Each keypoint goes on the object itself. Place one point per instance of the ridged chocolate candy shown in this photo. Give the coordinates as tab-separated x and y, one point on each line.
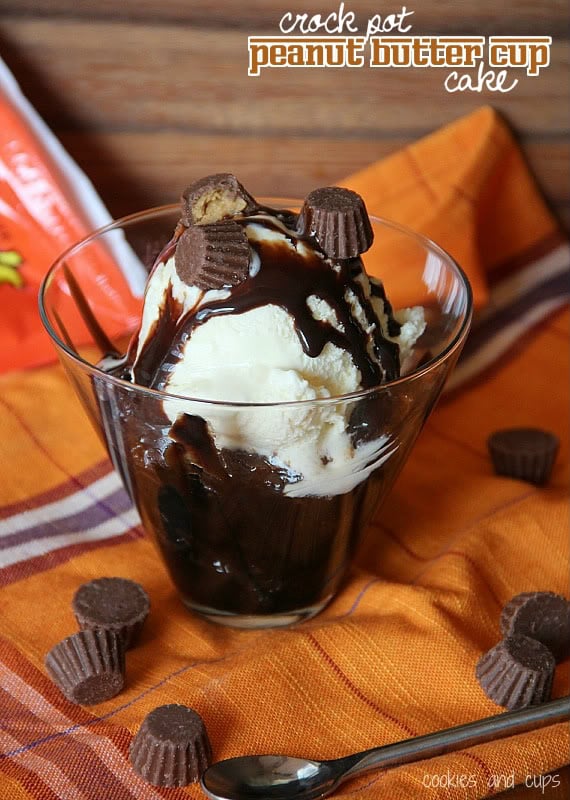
115	604
338	220
88	666
544	616
524	453
214	198
517	672
213	256
171	747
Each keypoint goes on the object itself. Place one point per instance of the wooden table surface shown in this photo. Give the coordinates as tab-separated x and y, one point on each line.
148	95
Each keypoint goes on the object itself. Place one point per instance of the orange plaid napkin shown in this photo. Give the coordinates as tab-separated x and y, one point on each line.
394	654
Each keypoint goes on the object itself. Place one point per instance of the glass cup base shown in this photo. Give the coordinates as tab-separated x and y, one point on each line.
257	621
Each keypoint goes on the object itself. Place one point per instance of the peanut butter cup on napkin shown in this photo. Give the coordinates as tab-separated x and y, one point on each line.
544	616
171	747
114	604
527	454
517	672
88	666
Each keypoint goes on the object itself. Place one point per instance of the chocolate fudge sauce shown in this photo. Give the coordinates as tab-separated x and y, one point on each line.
286	279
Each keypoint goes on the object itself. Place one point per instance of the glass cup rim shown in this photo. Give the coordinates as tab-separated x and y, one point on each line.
161	395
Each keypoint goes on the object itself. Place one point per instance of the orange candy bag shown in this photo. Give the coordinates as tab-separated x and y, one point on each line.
47	204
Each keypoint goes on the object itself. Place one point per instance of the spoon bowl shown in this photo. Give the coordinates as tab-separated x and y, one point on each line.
271	778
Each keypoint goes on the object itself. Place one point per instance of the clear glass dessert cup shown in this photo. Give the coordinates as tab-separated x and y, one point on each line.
248	541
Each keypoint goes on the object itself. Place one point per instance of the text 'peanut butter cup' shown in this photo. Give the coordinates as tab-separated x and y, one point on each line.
338	220
527	454
517	672
88	666
214	198
543	616
171	747
213	256
114	604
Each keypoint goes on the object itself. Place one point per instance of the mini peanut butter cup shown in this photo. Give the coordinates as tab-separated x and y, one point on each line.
171	747
517	672
114	604
88	666
213	256
338	220
214	198
524	453
543	616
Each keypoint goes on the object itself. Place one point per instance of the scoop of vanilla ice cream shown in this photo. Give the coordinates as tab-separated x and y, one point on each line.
256	357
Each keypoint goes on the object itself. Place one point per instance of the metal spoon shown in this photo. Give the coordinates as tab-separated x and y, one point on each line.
285	777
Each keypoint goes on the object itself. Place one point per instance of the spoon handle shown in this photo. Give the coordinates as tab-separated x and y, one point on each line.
434	744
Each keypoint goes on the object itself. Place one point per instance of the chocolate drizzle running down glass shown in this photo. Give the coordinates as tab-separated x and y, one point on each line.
263	408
